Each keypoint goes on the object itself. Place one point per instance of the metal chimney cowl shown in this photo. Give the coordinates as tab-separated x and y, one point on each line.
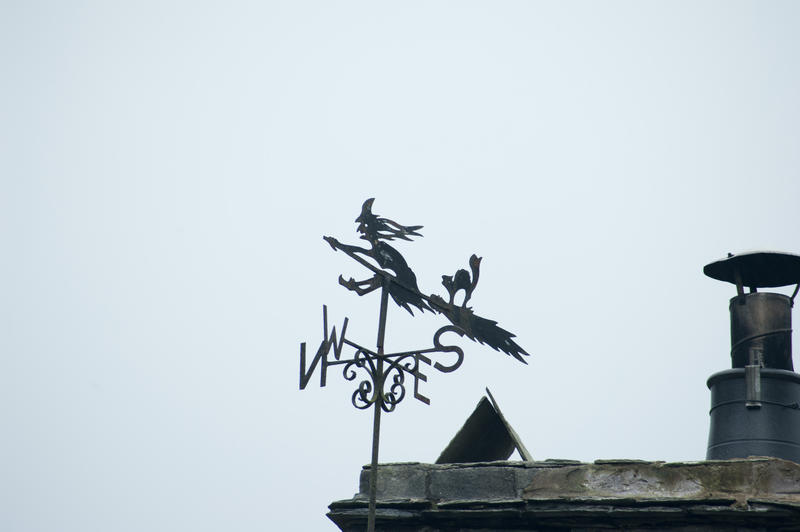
755	406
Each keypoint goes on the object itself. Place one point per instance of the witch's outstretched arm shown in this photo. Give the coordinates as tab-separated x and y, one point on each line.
351	252
335	244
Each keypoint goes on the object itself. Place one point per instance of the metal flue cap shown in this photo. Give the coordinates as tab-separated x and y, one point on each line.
757	269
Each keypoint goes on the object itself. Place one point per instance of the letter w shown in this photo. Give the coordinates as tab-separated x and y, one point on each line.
322	352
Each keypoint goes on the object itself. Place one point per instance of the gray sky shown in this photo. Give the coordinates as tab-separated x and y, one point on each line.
168	170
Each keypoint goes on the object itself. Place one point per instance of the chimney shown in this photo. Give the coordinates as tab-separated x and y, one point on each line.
755	406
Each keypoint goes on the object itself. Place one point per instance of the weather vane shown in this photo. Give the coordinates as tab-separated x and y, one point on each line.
384	385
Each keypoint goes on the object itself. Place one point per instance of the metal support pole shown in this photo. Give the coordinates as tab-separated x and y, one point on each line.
378	406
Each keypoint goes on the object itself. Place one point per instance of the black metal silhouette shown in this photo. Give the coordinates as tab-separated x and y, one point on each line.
409	362
480	329
403	283
475	327
461	281
385	382
375	230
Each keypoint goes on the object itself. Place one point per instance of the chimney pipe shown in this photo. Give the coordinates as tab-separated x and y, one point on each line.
755	406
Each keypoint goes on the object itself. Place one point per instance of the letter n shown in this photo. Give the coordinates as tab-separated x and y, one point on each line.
305	375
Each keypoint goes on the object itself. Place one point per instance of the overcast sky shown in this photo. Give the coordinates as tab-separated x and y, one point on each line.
169	169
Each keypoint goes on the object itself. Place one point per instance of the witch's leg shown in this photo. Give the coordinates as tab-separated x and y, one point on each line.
361	287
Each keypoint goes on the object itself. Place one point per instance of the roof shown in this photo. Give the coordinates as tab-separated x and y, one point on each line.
753	493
